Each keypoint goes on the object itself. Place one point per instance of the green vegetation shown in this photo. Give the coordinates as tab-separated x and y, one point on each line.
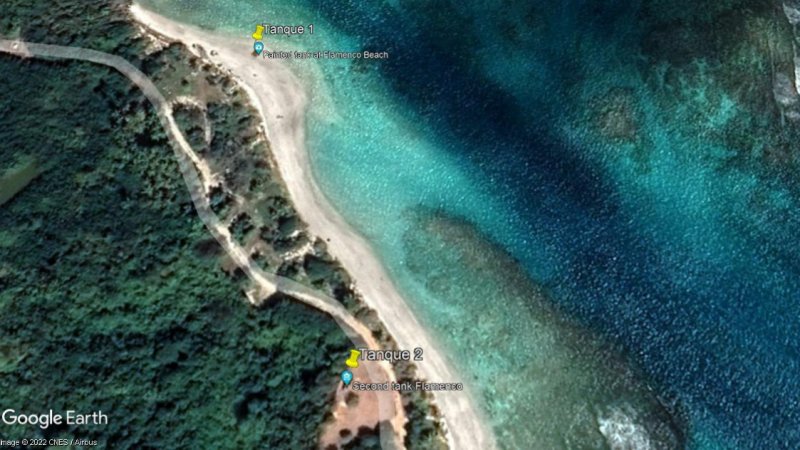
99	25
365	440
190	119
112	296
264	221
422	433
110	288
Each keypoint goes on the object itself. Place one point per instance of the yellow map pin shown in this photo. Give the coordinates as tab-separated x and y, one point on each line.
352	361
259	32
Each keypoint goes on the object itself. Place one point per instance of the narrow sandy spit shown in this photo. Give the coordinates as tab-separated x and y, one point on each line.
281	99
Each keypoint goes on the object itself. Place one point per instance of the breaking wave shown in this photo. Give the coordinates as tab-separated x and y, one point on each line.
622	432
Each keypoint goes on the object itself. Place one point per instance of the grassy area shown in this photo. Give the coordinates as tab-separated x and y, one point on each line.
16	178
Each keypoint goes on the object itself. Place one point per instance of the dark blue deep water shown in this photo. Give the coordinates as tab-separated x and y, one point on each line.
689	258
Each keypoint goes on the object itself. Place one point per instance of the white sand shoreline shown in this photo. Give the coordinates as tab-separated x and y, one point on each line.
282	100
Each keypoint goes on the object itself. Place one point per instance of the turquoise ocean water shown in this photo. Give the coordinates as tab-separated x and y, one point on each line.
560	191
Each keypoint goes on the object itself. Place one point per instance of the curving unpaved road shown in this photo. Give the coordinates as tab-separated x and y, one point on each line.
281	99
391	408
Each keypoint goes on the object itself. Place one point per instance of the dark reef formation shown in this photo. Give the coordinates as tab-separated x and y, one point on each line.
585	388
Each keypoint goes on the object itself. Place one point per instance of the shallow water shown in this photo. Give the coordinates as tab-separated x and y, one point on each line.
606	164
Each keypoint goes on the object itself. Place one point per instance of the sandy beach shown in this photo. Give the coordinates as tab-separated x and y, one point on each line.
281	99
